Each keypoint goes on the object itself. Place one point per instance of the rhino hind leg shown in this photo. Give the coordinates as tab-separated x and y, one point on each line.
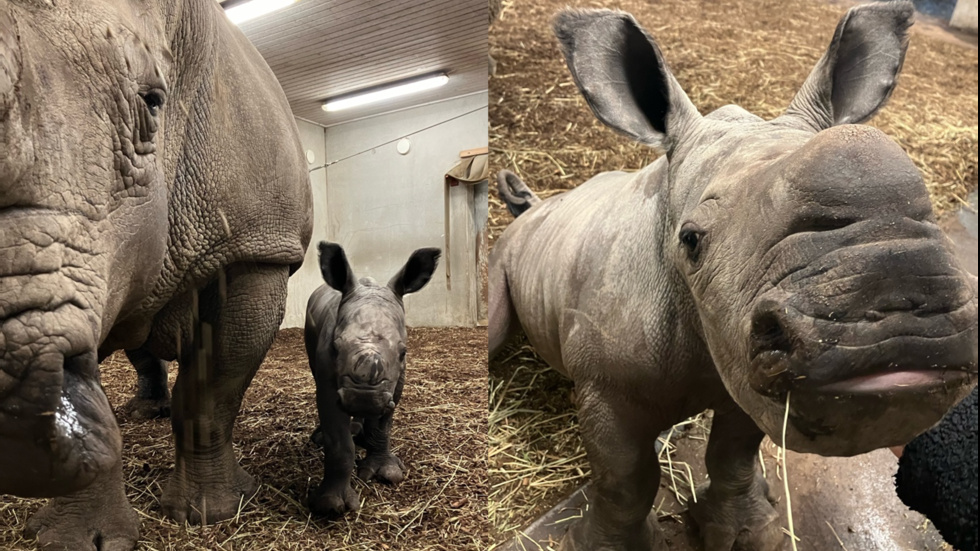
619	436
98	518
503	319
152	399
733	512
236	328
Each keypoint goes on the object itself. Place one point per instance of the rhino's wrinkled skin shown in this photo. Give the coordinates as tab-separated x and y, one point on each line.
153	197
757	263
355	340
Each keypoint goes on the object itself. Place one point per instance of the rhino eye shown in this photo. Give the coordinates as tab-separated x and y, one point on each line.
691	237
154	100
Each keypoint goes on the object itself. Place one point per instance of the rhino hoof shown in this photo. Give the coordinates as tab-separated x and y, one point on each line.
316	437
333	502
387	469
188	498
145	408
585	536
746	521
99	527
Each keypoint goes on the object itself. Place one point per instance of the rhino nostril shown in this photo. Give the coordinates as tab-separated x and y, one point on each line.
769	335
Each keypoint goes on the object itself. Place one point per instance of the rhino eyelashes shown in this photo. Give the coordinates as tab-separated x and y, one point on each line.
692	237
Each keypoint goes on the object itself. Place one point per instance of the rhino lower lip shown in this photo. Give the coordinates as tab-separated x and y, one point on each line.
899	381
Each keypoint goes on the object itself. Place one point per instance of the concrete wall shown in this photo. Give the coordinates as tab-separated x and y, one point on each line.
965	15
308	278
381	205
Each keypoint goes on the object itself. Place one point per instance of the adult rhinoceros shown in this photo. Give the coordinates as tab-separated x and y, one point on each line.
154	196
788	274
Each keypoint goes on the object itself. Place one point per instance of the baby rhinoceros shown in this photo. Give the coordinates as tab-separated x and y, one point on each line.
355	339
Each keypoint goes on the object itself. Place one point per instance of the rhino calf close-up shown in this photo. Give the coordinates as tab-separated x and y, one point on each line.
164	167
788	274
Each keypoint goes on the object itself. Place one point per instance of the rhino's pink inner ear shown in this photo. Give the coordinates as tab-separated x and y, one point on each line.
334	267
622	74
859	71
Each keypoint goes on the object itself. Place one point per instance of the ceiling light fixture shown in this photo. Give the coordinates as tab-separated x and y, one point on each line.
387	92
245	11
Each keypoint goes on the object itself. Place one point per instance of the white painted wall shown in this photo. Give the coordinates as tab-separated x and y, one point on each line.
965	15
308	278
380	206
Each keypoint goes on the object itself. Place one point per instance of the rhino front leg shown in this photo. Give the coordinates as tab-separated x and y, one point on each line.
98	518
379	463
334	496
152	400
733	511
238	322
620	436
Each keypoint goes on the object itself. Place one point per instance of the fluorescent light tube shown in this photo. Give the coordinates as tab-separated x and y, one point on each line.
381	94
246	11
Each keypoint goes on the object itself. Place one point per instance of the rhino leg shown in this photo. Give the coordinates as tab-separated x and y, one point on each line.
733	511
375	437
379	463
503	320
98	518
152	400
334	496
620	436
237	324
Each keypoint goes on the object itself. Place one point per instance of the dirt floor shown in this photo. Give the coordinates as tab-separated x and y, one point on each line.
751	53
440	432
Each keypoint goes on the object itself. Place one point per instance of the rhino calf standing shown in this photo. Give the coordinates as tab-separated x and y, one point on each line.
783	271
355	340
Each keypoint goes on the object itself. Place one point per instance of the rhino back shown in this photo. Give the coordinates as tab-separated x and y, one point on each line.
595	256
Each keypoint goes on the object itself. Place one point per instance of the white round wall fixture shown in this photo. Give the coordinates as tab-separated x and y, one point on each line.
403	146
310	156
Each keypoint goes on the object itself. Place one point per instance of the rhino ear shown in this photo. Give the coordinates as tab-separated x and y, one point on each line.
335	268
623	76
858	73
416	273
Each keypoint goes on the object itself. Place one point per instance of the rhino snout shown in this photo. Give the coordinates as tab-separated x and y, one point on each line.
368	371
57	429
365	402
881	349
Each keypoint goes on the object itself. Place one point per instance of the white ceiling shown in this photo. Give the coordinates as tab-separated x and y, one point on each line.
324	48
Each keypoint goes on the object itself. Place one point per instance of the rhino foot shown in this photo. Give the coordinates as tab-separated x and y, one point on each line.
582	536
743	521
146	408
316	437
385	468
98	518
332	501
188	499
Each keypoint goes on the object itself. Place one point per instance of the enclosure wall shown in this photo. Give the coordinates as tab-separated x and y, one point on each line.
382	205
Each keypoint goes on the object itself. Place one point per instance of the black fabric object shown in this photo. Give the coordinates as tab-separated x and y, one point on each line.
937	475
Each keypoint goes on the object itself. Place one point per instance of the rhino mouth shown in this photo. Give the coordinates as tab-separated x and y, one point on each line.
57	430
365	400
866	358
